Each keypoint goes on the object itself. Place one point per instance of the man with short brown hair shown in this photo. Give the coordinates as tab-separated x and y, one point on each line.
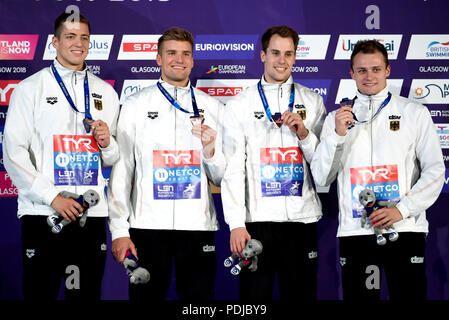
161	206
59	133
387	144
267	191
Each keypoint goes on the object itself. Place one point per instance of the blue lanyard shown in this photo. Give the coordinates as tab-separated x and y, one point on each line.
377	112
176	104
265	102
87	114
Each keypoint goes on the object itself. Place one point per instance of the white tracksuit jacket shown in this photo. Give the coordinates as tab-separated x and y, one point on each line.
250	187
151	185
397	155
45	143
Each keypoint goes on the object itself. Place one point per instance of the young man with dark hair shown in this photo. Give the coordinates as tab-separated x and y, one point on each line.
59	133
160	200
388	144
270	135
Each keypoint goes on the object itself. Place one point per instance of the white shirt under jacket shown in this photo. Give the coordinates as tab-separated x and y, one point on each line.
149	125
247	131
398	154
32	125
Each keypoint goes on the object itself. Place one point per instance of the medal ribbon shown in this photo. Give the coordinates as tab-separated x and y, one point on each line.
386	101
265	102
87	114
176	104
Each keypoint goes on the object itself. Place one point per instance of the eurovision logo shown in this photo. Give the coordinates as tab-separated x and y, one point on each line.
176	174
18	46
6	88
215	46
76	160
346	44
282	172
428	47
382	180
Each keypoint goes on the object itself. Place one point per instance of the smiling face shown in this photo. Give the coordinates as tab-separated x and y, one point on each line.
370	72
72	45
278	59
176	62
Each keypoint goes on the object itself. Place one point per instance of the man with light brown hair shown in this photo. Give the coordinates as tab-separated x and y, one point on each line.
161	206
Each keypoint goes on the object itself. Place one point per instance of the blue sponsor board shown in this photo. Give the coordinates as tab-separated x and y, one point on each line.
446	182
320	86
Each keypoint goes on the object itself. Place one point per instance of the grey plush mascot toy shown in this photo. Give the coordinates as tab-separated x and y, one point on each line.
252	249
368	199
89	199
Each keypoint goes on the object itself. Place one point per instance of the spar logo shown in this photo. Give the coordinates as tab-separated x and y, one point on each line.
18	46
312	47
6	88
209	47
431	91
382	180
282	171
443	133
99	47
428	47
224	89
7	189
176	174
346	43
76	160
138	47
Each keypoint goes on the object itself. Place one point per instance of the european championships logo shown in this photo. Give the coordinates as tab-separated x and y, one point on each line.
212	70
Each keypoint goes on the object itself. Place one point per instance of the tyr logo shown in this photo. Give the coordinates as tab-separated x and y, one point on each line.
83	141
370	175
186	157
293	154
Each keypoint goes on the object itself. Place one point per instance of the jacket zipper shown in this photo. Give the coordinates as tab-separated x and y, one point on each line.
280	94
371	130
75	123
174	200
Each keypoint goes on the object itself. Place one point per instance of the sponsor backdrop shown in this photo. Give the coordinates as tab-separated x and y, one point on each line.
123	49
